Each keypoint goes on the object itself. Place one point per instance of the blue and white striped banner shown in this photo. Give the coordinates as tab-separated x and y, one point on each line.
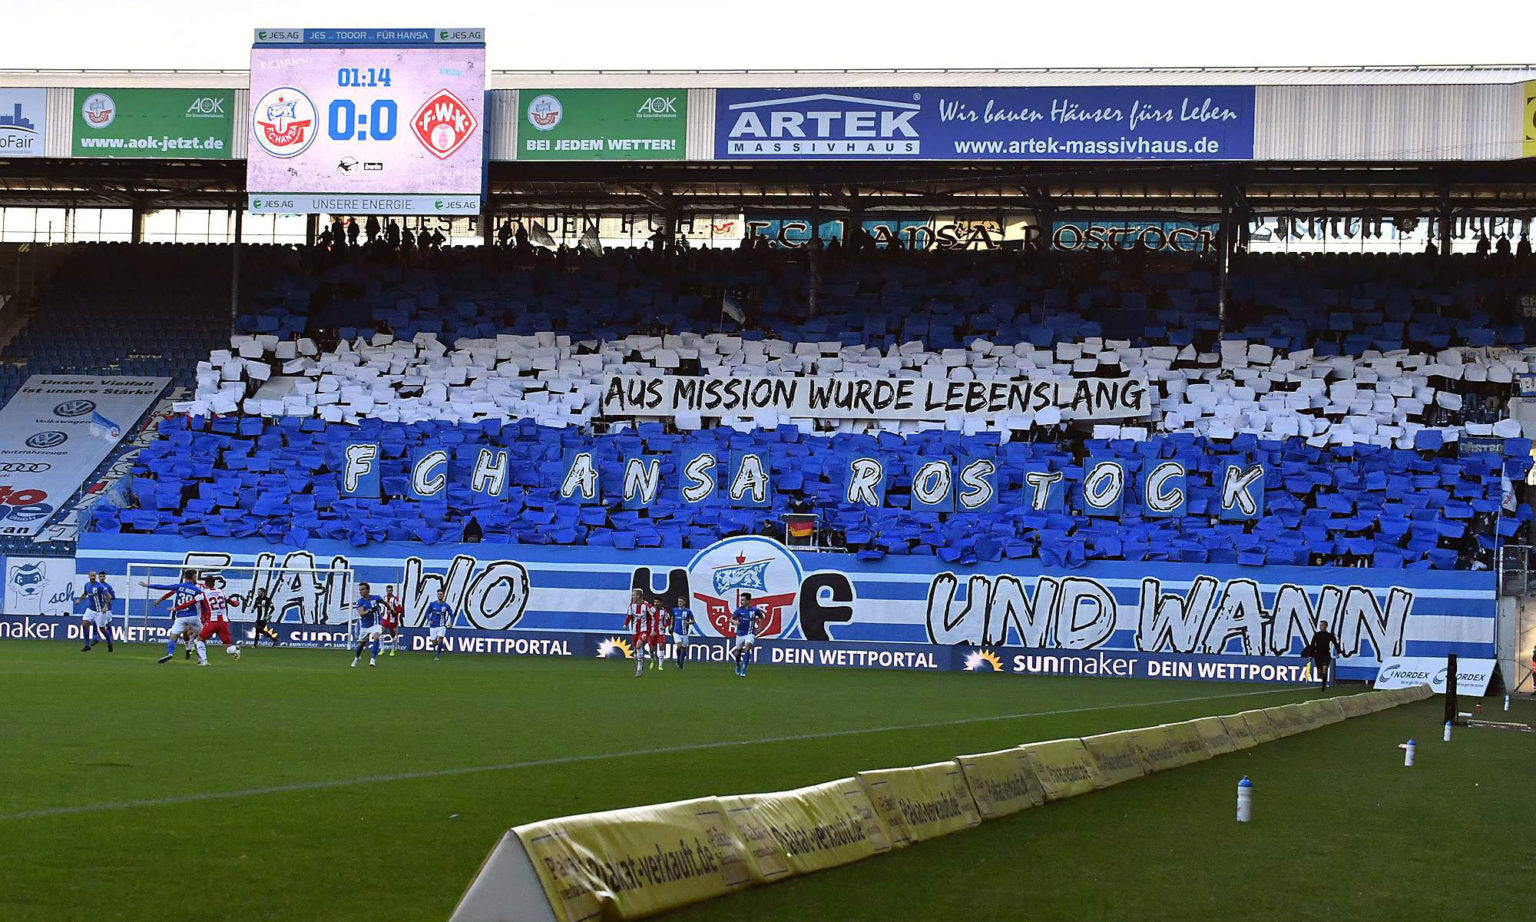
1155	608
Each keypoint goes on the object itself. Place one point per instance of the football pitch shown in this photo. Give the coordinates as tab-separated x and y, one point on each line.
287	786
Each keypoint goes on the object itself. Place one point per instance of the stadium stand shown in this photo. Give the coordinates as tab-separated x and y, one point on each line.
120	309
1354	379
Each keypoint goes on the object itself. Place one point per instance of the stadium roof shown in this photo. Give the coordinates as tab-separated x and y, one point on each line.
1411	74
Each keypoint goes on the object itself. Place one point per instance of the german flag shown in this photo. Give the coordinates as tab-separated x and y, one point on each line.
800	527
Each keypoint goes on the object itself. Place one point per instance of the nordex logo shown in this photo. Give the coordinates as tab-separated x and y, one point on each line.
824	123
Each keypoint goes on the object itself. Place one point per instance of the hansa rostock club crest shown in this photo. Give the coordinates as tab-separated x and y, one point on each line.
720	574
283	122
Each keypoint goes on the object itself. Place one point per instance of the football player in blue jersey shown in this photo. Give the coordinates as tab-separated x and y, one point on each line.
747	618
439	616
682	630
368	628
186	612
97	596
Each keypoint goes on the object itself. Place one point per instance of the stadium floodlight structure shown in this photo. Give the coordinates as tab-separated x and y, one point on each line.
300	595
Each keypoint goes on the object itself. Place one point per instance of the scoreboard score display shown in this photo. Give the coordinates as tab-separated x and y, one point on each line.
367	121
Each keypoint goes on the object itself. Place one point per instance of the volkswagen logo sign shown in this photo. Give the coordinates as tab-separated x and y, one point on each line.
72	408
51	438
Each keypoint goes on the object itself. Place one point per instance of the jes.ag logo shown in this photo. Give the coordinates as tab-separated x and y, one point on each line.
69	409
283	122
824	124
49	438
544	112
722	573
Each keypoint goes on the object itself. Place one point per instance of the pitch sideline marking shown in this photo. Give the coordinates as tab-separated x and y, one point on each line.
302	786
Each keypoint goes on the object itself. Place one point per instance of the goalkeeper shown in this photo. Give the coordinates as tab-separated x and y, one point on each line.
261	607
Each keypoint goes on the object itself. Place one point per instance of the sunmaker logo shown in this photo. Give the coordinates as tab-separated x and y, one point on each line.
826	124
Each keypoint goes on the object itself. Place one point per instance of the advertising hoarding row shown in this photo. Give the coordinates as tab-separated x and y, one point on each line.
342	74
1020	617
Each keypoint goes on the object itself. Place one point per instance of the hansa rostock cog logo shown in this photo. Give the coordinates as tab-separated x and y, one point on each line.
99	110
545	112
283	122
720	574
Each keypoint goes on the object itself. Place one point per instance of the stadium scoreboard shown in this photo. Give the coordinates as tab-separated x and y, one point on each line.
367	121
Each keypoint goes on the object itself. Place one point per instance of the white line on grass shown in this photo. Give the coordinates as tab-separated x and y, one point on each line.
302	786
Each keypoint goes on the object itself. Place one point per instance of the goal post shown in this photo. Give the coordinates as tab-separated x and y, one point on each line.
300	595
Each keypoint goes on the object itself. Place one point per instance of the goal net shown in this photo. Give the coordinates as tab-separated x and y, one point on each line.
311	596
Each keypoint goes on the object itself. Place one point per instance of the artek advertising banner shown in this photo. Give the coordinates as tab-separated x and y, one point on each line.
23	122
992	123
602	124
54	432
162	124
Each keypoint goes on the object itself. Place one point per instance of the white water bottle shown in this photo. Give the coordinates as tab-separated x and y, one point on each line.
1408	751
1506	702
1244	800
1447	731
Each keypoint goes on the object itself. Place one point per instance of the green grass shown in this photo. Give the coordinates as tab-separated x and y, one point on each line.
1341	830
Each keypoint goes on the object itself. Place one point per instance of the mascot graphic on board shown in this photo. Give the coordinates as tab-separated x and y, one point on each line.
28	579
763	568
